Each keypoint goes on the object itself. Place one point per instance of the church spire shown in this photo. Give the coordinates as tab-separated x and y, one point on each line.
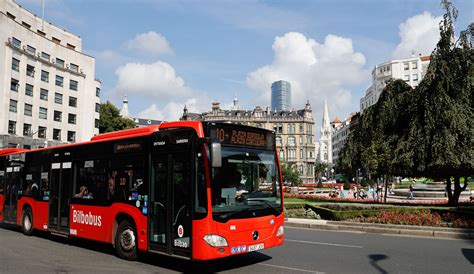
326	121
124	111
325	141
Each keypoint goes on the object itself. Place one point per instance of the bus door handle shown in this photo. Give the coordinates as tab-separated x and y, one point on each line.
179	212
156	205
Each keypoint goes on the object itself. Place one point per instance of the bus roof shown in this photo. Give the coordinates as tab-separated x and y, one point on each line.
121	134
126	133
8	151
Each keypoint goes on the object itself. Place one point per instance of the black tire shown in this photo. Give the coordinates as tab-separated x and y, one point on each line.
126	241
27	222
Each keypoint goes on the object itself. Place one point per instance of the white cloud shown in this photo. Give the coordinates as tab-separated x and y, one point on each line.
173	110
157	80
315	71
150	42
419	33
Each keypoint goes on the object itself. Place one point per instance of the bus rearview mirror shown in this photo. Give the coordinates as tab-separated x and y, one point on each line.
216	156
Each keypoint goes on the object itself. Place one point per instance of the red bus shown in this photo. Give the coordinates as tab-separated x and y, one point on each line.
195	190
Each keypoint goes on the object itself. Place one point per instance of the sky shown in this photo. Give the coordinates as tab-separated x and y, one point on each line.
167	54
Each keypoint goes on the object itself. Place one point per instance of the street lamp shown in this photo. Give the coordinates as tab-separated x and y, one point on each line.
332	173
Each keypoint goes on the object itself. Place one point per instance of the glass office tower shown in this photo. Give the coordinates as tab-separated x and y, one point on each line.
281	96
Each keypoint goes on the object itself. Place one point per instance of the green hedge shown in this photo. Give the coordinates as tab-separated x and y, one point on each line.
339	215
345	214
293	206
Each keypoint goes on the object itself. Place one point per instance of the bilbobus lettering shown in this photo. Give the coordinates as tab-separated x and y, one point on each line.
88	219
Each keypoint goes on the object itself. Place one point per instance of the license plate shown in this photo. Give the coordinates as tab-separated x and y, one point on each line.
255	247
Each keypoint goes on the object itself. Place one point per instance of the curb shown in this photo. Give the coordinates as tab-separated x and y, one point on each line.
429	231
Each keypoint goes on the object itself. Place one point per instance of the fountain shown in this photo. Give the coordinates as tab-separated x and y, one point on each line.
428	190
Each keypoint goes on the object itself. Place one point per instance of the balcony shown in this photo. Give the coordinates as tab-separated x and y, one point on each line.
24	50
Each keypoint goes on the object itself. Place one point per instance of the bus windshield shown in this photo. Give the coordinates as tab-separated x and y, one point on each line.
246	185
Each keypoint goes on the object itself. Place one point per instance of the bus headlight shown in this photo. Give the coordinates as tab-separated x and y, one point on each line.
280	231
215	240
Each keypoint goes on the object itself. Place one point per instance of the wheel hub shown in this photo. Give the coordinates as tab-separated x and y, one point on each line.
127	240
27	223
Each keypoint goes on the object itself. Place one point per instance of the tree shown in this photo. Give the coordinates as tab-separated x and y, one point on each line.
372	142
319	168
440	140
427	131
290	174
110	119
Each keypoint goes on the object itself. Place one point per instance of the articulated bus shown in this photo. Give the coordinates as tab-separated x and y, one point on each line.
194	190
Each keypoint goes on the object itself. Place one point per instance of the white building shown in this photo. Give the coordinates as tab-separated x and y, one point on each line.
49	94
324	146
410	70
340	131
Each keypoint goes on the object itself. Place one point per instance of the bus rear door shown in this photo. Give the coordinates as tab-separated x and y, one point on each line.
60	192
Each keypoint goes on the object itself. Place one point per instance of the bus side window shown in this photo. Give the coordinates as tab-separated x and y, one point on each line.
91	180
31	185
32	175
44	185
130	182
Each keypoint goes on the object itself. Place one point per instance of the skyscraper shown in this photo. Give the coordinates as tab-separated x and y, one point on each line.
281	96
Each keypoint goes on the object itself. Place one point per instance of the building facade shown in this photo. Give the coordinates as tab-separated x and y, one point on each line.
340	132
411	70
324	145
49	94
281	96
293	129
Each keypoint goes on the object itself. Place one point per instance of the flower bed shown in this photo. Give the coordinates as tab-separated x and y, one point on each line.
460	217
318	198
420	218
332	212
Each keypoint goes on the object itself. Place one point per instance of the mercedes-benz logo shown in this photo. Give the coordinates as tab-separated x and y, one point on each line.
255	235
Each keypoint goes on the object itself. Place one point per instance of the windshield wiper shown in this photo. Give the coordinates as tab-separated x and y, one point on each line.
266	203
233	213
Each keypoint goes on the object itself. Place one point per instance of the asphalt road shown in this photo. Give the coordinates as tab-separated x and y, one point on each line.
305	251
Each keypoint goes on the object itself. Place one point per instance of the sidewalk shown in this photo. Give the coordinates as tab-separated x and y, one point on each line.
424	231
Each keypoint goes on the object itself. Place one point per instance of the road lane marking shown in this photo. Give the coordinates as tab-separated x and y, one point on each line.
320	243
290	268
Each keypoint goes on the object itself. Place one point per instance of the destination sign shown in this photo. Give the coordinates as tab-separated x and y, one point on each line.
128	147
242	137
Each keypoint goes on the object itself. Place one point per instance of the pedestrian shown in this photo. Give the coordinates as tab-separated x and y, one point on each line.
410	192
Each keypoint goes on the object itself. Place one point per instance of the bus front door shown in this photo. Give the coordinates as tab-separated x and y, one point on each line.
59	199
170	216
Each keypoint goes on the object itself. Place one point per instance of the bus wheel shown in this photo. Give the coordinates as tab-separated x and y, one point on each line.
126	241
27	222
